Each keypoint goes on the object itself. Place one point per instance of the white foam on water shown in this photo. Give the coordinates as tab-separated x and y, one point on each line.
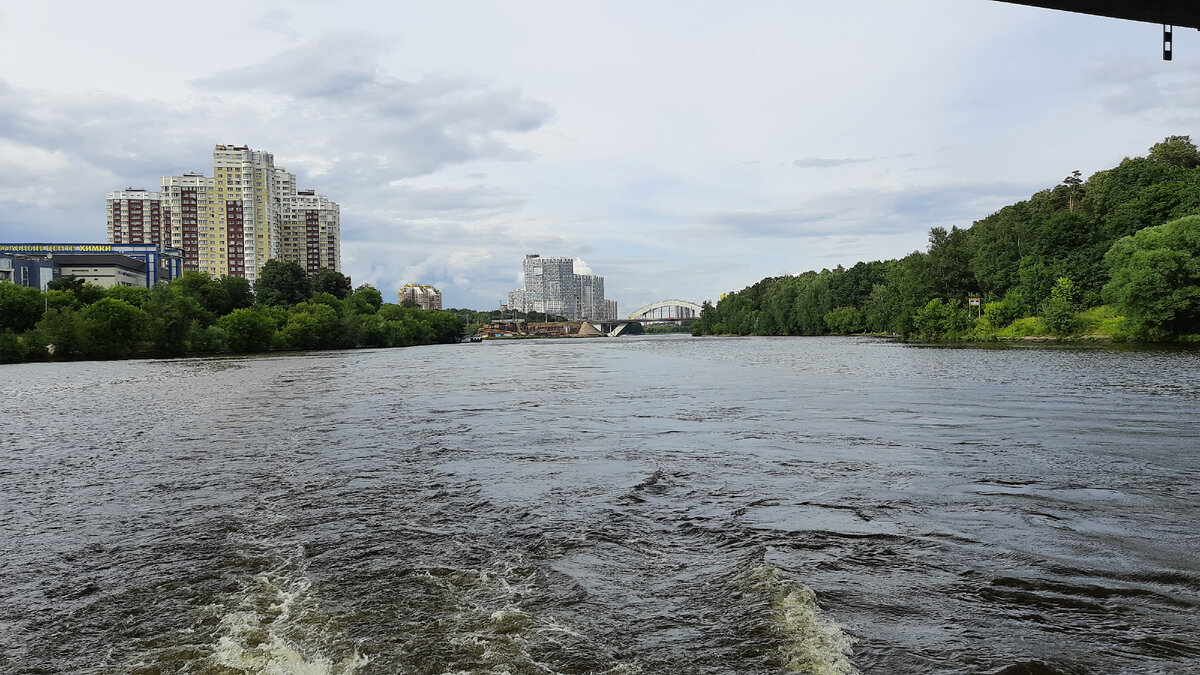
809	641
490	629
276	620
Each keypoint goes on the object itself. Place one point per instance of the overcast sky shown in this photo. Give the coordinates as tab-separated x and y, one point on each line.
681	148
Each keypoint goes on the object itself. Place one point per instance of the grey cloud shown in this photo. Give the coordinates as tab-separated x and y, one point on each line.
332	66
825	163
829	162
867	211
786	222
109	133
277	21
1137	88
475	201
338	78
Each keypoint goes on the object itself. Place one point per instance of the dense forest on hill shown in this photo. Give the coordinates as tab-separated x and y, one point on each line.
197	314
1116	255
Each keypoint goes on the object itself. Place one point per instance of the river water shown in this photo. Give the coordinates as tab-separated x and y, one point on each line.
622	506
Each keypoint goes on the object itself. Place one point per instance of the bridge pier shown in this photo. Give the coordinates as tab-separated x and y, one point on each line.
610	328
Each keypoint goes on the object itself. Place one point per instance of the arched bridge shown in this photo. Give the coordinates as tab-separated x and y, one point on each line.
663	310
667	310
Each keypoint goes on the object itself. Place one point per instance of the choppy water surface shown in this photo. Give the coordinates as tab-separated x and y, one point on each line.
645	505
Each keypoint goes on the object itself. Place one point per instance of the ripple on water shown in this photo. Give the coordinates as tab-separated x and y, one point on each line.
697	507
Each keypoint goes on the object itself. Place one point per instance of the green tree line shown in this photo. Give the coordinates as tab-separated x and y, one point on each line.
1118	253
197	314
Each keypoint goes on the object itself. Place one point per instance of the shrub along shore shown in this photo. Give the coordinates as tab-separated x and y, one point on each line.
197	314
1114	257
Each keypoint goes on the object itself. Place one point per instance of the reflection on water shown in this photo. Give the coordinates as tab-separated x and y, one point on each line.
645	505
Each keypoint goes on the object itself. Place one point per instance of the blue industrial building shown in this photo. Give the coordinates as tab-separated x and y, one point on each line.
27	270
162	263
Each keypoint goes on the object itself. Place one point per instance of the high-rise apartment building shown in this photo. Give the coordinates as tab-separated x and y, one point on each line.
311	231
248	209
248	212
591	297
516	300
551	286
425	297
135	217
189	205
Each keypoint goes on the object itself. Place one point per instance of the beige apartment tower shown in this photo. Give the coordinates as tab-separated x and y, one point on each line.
232	223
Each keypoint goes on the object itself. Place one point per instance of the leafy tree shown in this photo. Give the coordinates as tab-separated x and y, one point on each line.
948	264
406	326
69	282
1037	278
85	293
10	348
999	242
410	331
61	300
249	329
329	300
1062	307
114	328
170	318
844	321
879	310
1074	189
999	314
1177	151
909	291
777	307
373	331
63	332
205	339
238	292
20	307
331	281
205	290
134	295
446	326
370	295
938	320
90	293
364	301
1156	279
705	325
310	325
282	283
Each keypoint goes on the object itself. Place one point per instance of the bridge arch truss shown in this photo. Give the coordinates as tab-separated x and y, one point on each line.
667	310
